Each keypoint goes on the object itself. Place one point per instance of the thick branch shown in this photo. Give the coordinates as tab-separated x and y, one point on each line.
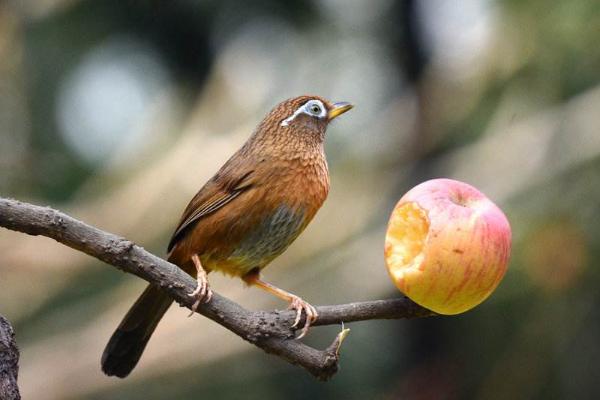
9	362
271	331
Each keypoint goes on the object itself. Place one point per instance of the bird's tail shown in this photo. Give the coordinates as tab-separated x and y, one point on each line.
127	344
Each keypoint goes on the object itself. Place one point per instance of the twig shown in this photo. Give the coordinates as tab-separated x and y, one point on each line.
9	362
271	331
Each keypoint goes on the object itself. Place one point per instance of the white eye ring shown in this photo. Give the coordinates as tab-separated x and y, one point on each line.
313	108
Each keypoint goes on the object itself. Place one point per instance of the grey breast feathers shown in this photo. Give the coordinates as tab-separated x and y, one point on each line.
272	236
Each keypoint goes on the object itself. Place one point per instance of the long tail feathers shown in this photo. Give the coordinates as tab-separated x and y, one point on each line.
127	344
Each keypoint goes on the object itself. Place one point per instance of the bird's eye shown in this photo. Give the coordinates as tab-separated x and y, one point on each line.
315	109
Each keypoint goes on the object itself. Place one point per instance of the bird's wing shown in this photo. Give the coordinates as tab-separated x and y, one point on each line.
220	190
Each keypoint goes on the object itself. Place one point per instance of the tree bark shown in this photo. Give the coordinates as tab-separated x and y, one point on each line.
9	362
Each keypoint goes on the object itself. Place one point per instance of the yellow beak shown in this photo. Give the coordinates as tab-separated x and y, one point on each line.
338	109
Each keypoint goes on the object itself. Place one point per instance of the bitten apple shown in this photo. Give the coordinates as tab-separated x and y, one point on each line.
447	246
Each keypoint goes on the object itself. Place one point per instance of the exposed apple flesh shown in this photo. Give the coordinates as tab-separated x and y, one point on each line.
447	246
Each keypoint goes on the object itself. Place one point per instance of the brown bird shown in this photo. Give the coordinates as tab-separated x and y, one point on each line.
242	218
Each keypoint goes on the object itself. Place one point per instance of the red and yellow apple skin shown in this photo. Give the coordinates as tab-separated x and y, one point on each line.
447	246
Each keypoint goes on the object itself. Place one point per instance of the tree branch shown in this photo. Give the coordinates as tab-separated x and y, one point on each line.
9	362
271	331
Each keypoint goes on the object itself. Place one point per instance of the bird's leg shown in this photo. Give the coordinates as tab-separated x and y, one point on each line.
202	291
296	303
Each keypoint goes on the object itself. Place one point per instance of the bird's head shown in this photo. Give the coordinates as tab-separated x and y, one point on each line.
306	116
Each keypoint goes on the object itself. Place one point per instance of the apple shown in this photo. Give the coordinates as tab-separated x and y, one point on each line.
447	246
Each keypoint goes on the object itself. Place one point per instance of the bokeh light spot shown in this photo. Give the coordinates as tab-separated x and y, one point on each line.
106	95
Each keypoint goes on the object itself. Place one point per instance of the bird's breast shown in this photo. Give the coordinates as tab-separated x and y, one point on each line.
270	236
279	211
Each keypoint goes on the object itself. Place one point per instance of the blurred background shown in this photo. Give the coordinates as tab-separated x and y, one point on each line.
116	112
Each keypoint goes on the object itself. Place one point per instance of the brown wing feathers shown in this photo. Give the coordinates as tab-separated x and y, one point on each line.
204	203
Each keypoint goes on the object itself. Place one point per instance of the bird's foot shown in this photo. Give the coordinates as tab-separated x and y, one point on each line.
300	305
202	293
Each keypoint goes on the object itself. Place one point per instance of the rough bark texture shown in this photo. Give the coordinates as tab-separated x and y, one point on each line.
9	362
271	331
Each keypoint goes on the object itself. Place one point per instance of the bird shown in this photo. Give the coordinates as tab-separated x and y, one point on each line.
244	217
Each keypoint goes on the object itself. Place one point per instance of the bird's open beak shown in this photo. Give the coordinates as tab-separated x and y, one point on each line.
338	109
